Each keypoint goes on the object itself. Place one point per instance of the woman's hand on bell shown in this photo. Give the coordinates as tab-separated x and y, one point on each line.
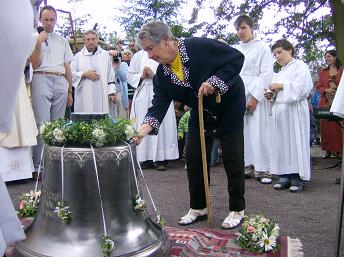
141	133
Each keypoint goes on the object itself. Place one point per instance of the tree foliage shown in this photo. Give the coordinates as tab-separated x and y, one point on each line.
307	24
136	13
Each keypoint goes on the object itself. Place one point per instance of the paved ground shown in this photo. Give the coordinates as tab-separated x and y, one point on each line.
309	215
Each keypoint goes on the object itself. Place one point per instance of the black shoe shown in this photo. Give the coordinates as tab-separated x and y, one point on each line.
327	155
281	185
147	165
161	167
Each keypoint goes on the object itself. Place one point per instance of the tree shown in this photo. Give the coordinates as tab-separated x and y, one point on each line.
307	24
337	8
64	26
136	13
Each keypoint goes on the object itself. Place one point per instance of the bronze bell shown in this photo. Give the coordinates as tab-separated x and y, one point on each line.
133	233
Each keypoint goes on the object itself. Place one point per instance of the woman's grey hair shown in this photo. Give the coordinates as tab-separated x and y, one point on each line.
155	31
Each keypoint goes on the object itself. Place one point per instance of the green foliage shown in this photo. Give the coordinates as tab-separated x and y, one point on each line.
107	246
136	13
64	213
97	132
307	24
64	25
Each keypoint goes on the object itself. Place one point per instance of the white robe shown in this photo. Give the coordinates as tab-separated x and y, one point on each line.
290	149
15	148
256	74
164	146
92	96
337	107
15	48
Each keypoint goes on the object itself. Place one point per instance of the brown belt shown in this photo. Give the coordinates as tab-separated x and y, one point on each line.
51	73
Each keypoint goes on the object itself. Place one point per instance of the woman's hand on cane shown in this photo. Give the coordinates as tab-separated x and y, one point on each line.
206	89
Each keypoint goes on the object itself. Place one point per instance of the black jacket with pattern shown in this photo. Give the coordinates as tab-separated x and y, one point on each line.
203	60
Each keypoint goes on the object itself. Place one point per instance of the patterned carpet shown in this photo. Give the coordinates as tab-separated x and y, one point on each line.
214	243
210	243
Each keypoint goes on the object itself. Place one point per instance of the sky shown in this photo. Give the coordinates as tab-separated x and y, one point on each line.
103	12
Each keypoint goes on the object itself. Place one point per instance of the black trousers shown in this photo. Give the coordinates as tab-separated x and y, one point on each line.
232	145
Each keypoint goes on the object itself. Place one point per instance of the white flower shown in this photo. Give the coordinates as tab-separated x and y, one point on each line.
58	135
129	131
140	204
98	136
268	243
110	244
42	128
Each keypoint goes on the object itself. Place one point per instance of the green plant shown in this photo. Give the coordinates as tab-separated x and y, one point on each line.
107	246
64	213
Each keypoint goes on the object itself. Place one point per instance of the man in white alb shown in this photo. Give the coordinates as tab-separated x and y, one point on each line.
93	77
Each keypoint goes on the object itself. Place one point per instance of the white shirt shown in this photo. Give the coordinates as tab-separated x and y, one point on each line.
55	54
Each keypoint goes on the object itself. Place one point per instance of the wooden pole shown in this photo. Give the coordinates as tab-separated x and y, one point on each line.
204	159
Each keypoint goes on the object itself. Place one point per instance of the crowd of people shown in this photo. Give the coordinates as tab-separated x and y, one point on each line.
262	123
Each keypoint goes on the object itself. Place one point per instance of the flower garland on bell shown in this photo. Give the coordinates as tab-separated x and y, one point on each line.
99	133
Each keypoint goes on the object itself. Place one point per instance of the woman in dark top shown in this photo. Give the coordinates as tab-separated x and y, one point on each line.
192	68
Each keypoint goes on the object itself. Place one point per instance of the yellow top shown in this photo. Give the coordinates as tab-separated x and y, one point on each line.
177	68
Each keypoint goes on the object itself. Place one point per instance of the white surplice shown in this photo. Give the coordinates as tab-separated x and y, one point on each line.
92	96
337	107
256	74
290	149
15	48
164	146
15	148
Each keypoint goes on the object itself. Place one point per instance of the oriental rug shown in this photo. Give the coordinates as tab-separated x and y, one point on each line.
204	242
215	243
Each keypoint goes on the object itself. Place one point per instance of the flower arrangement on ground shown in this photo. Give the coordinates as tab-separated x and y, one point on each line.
99	133
28	204
258	235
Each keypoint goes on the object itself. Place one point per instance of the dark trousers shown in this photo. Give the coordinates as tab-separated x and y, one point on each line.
232	145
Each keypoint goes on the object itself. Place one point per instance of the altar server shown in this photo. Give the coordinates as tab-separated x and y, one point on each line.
256	74
290	158
164	146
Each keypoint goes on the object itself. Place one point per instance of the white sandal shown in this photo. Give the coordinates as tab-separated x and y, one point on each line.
233	219
193	216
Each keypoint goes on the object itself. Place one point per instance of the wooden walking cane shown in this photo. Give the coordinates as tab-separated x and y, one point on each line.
204	158
204	155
